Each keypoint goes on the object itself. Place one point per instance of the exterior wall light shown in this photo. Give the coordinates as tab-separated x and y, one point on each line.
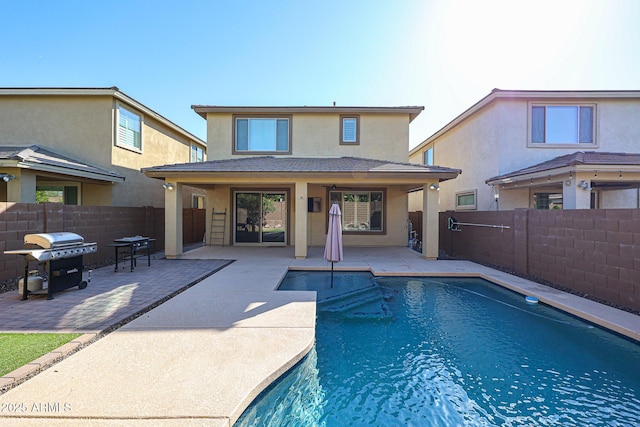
168	186
7	177
585	185
434	187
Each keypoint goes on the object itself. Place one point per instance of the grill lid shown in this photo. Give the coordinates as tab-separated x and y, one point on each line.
53	240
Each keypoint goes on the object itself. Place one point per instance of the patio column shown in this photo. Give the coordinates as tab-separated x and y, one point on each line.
22	189
574	196
430	223
173	221
301	219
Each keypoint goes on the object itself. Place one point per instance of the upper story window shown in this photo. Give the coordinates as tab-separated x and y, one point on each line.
129	129
562	124
197	153
349	130
262	134
428	156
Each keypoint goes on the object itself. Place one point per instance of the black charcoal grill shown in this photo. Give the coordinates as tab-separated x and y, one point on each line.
59	255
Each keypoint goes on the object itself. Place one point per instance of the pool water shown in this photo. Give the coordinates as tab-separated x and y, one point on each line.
406	351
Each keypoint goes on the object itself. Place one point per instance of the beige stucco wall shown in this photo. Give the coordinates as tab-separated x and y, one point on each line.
83	128
494	141
382	136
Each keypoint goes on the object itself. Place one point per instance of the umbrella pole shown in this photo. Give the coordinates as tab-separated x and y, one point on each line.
332	274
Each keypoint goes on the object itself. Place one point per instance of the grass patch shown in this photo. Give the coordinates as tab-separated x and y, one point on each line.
17	350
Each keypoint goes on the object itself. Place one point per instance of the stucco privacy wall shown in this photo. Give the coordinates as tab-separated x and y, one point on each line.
318	135
593	252
99	224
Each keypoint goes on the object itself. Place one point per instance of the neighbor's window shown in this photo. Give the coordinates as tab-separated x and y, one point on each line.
349	130
67	194
562	124
428	157
547	201
362	211
197	154
129	129
466	200
197	201
264	134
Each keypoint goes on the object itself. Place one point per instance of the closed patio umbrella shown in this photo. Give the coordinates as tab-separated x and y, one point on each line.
333	246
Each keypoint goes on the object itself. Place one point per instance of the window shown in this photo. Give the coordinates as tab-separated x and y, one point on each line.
67	194
362	211
197	154
262	134
129	129
428	157
547	201
466	200
197	201
562	124
349	130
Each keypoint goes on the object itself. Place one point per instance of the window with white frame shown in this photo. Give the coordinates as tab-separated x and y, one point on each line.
428	156
362	211
129	129
197	201
466	200
562	124
349	130
262	134
197	154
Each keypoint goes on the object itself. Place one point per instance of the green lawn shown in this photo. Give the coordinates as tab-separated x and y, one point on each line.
17	350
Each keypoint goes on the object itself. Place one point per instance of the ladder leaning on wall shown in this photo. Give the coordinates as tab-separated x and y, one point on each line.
218	227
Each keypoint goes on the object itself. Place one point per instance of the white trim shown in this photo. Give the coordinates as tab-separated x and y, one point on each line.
120	144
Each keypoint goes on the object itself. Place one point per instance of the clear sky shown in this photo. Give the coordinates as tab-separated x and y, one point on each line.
444	55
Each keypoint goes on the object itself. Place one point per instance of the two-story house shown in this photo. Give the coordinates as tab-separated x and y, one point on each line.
539	149
87	146
276	171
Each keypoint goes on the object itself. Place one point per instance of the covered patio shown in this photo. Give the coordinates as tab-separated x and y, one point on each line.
372	194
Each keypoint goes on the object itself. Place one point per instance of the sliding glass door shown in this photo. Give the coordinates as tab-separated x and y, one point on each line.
260	218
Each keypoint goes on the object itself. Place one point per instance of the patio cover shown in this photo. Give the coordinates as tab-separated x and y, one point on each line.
36	158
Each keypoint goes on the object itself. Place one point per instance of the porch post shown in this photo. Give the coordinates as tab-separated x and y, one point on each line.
301	219
574	196
173	221
430	226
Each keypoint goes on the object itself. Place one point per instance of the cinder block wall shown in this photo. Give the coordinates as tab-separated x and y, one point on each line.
101	224
593	252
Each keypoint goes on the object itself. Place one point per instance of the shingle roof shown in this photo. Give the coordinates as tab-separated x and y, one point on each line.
270	164
575	159
38	158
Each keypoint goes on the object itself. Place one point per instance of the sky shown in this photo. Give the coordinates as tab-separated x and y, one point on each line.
444	55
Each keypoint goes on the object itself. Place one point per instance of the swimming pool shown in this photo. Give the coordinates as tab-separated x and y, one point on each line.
443	352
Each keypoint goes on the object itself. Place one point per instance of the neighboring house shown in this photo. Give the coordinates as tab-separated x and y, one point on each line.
541	150
87	146
276	171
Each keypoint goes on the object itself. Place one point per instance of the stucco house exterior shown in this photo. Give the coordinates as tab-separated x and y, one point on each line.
87	146
276	171
539	149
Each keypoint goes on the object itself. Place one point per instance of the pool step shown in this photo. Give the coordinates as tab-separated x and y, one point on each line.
364	303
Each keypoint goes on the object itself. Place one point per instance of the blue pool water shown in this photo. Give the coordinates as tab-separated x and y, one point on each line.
448	352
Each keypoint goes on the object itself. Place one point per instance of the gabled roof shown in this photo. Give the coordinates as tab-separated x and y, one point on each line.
499	94
302	165
37	158
579	158
99	91
412	111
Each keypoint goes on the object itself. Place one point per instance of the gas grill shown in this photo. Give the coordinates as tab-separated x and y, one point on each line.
59	255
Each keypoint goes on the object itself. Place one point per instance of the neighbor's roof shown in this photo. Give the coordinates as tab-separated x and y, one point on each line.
99	91
577	159
412	111
37	158
556	95
301	165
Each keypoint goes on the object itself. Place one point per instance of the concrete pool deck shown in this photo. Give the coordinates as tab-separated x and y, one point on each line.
201	357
